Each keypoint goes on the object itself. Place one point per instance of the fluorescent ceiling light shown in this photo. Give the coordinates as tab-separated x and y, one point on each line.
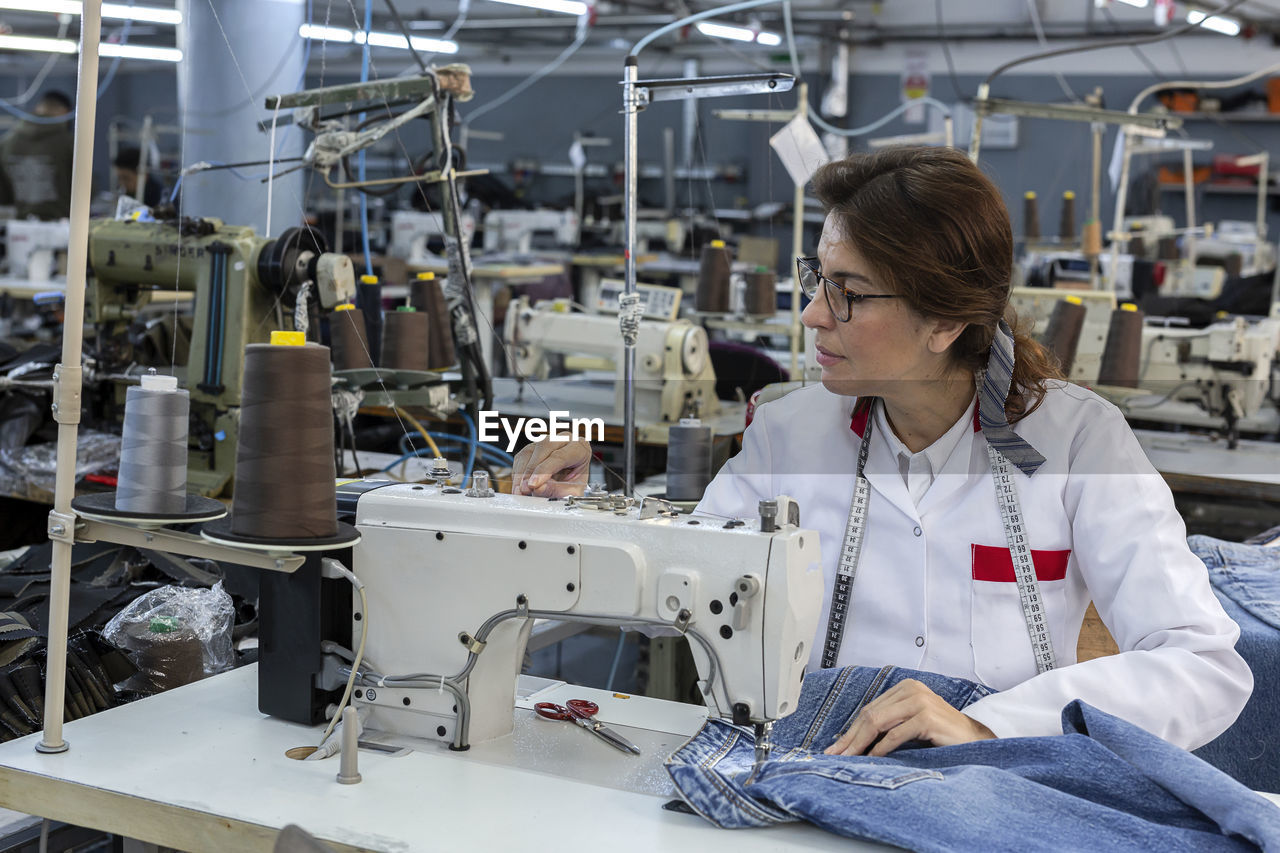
341	36
140	51
150	14
117	11
568	7
1217	23
1141	4
738	33
127	51
44	45
319	33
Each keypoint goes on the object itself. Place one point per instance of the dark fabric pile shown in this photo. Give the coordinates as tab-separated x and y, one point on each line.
105	578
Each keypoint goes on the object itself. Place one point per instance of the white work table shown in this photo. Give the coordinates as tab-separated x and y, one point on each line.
199	769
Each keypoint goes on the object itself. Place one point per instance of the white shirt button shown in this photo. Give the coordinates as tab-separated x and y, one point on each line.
919	642
917	531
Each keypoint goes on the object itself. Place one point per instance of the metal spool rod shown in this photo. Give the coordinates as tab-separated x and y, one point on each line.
67	379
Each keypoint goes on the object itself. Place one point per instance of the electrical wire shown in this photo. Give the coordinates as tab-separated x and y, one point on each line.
1044	42
106	82
583	29
364	636
416	424
846	131
946	50
445	438
1082	48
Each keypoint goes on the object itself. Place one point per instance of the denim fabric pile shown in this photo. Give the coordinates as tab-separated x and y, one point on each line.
1105	784
1246	579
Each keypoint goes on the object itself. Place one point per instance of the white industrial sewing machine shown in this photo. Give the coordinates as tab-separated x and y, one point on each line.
32	247
674	376
522	231
454	579
413	230
1204	377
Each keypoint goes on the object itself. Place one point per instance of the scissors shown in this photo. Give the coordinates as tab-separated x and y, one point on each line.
582	712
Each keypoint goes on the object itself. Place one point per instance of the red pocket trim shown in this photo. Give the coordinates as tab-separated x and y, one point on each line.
996	564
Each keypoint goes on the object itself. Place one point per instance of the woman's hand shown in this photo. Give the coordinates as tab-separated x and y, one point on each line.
552	469
905	712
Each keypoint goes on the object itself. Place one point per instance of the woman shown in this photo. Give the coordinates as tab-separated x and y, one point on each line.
943	403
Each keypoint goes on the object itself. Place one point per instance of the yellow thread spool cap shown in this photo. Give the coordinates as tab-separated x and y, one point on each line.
368	279
1128	306
426	276
1222	315
1073	300
1068	194
1029	194
346	306
717	244
288	339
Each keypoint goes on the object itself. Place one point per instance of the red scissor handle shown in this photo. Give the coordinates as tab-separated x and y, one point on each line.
577	709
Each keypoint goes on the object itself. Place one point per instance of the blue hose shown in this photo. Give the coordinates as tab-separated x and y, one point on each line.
440	437
360	159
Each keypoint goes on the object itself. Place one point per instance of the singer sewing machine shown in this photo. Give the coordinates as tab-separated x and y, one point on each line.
454	580
241	286
522	231
674	376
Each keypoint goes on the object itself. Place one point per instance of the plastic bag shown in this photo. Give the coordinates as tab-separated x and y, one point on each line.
174	635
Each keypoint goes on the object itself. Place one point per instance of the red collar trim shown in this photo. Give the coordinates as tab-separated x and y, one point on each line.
862	413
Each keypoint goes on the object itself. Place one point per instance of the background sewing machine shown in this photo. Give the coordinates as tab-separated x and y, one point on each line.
418	236
674	376
522	231
1208	378
241	286
454	579
36	251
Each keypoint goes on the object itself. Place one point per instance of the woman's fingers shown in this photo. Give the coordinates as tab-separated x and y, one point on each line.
552	469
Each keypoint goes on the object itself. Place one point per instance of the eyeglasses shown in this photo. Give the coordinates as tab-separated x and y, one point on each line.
840	299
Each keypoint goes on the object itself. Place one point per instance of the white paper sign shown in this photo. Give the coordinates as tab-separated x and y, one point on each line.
800	149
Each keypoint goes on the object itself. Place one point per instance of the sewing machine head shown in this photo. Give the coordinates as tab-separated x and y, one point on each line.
674	374
523	231
454	580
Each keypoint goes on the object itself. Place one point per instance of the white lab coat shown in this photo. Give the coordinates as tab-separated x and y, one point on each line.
915	602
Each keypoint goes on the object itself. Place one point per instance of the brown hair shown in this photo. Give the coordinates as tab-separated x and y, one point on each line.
934	230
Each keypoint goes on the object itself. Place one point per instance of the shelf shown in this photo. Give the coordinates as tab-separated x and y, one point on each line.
1228	189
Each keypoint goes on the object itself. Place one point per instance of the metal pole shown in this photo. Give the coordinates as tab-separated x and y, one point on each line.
1095	204
975	142
669	168
797	245
1122	191
1189	190
631	155
67	380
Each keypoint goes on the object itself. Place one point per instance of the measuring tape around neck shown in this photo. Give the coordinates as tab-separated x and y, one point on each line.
1015	533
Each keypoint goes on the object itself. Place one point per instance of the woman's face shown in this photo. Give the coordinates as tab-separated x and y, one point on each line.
884	345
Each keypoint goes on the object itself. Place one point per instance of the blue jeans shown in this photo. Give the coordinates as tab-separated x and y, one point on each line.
1104	784
1248	574
1246	579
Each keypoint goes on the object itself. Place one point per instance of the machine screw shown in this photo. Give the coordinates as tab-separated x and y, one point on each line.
57	530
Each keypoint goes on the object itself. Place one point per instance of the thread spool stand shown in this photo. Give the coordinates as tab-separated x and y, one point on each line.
101	506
